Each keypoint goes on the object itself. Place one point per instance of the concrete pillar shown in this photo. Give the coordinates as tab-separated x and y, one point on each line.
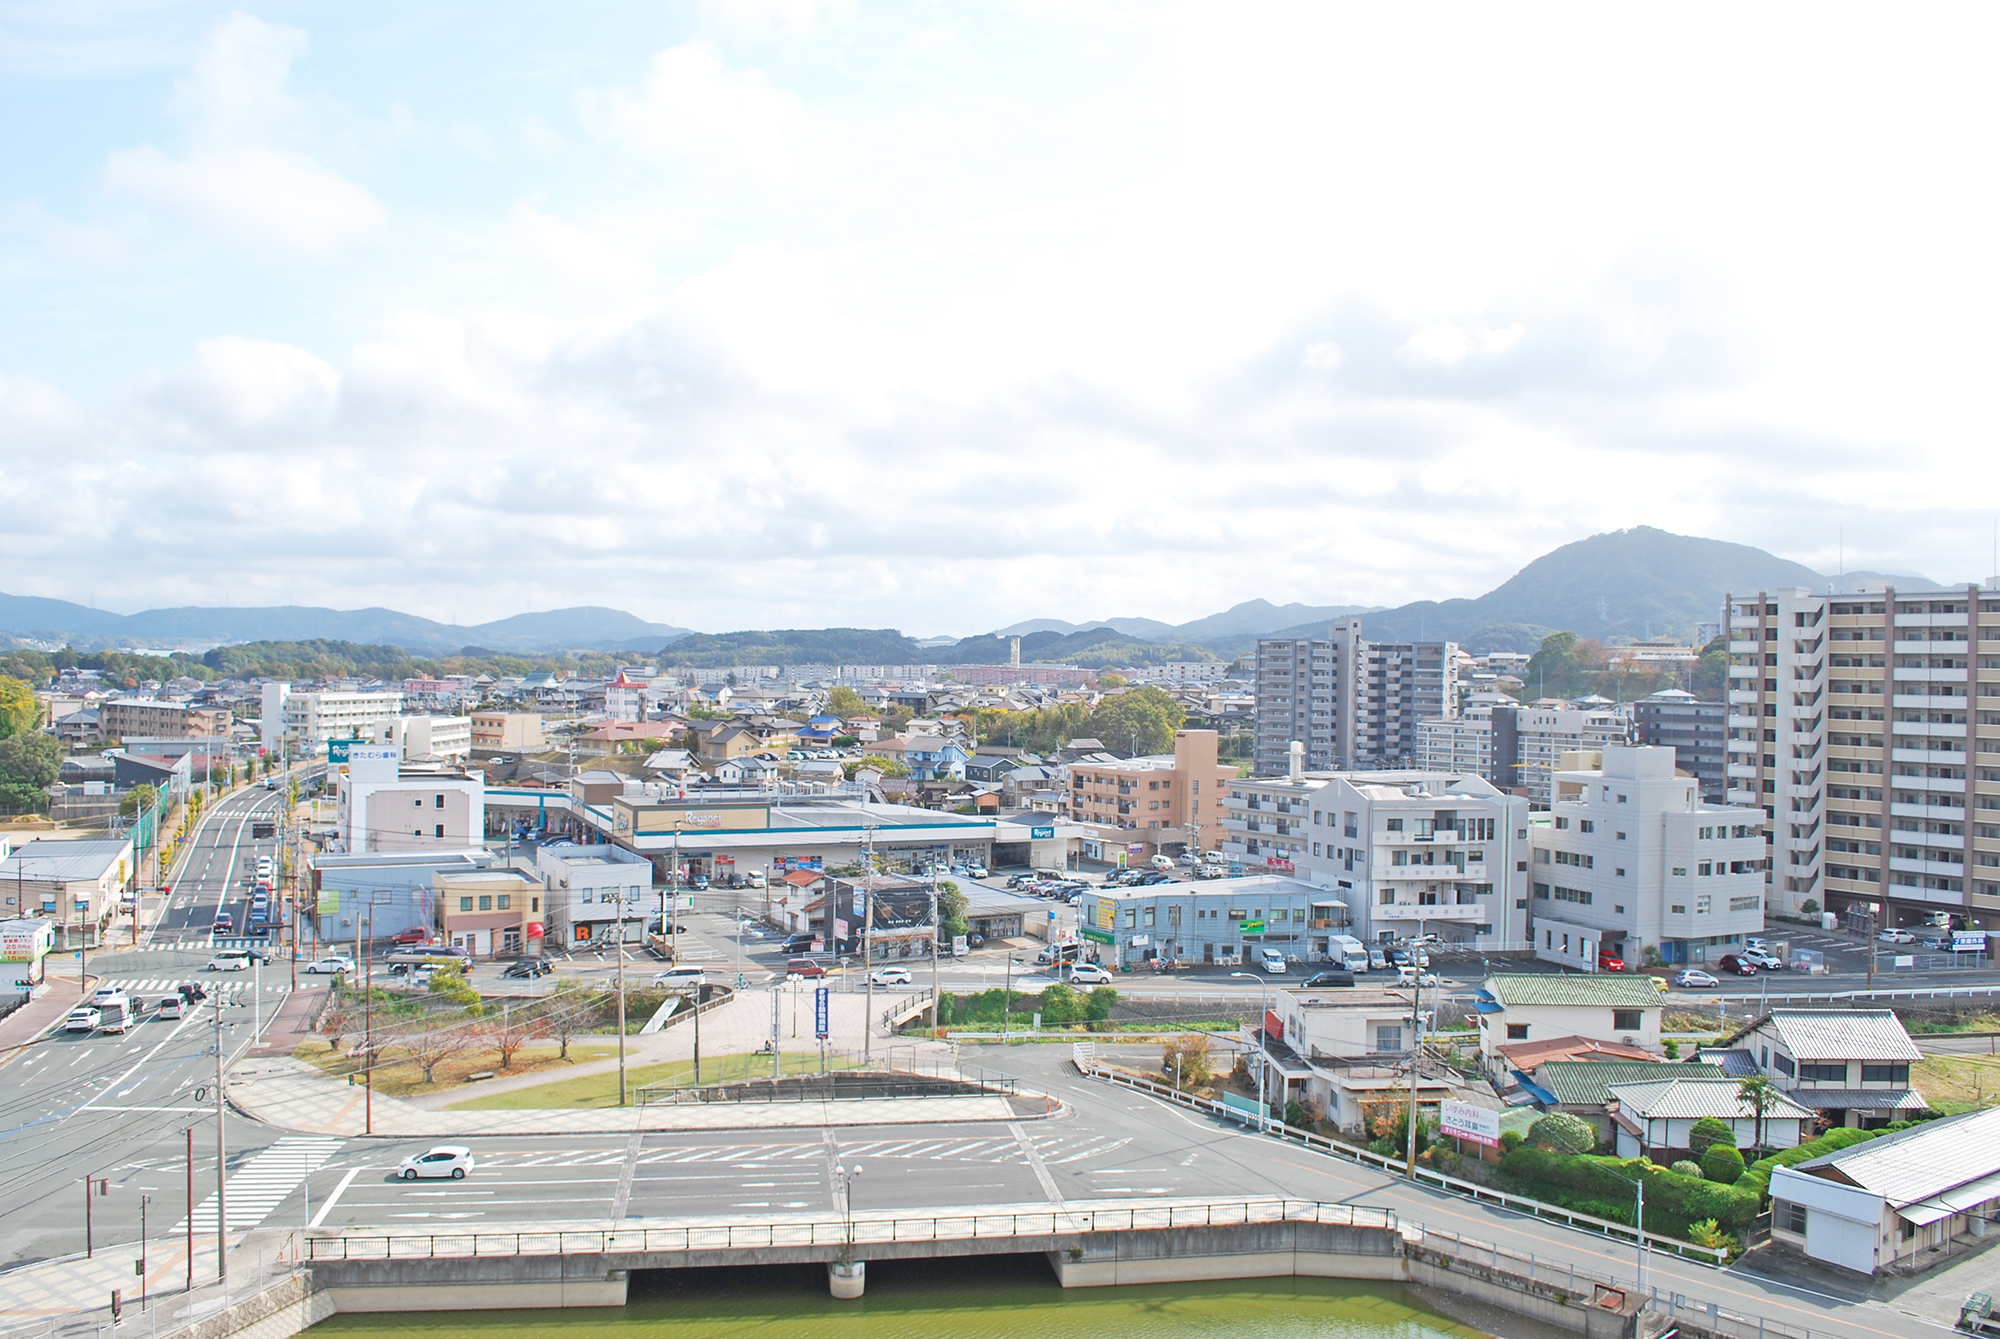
846	1281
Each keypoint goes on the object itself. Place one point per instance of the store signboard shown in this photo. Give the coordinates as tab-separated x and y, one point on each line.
1462	1120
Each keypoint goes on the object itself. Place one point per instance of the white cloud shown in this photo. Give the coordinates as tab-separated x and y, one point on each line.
693	105
1447	345
245	388
238	182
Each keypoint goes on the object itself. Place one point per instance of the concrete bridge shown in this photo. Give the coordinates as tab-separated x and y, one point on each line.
1086	1245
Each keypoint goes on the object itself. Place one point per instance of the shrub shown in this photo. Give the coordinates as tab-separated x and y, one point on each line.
1707	1233
1723	1164
1672	1048
1810	906
1601	1185
1295	1114
1559	1132
1101	1000
1758	1177
1686	1168
1709	1131
1509	1140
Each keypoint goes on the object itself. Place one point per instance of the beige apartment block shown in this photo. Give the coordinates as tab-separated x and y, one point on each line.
1169	802
145	718
520	730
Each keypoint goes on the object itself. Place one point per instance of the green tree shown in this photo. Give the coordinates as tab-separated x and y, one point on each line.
1109	681
1762	1095
1554	668
845	702
1722	1164
1061	1004
951	906
137	800
1143	719
18	709
1560	1132
1707	1132
32	759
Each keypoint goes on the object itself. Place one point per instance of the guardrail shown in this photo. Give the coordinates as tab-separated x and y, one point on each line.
863	1230
1090	1067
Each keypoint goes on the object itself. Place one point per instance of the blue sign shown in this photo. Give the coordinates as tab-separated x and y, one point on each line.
336	749
821	1007
1041	834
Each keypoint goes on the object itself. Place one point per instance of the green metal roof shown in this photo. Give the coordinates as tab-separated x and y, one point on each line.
1583	1082
1601	991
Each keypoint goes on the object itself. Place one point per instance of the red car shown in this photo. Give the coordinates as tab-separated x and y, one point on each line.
410	937
1610	962
805	967
1737	963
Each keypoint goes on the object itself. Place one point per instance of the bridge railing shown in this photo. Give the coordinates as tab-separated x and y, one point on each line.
862	1230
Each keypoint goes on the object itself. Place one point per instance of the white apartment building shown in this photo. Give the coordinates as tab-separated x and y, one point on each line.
1529	742
1855	721
1181	672
1629	859
428	738
589	890
311	718
1352	703
625	698
271	729
1463	746
382	805
1406	852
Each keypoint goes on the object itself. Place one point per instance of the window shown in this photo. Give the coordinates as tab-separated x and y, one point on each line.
1388	1036
1621	799
534	904
1393	825
1626	1020
588	893
1542	891
1680	871
1149	918
440	829
1885	1074
1562	823
1580	896
485	902
1701	905
1619	872
1131	918
1678	908
465	904
1783	1064
1792	1217
1823	1073
1517	1032
505	903
416	804
1705	868
440	802
1586	826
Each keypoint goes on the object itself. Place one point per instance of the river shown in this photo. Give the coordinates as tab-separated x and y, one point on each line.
978	1298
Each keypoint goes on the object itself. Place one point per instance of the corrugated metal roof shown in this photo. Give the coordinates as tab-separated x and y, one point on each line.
1843	1034
1920	1162
1861	1099
1586	1082
1736	1064
1691	1099
1602	991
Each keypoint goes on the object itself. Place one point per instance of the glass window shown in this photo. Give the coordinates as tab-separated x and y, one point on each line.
465	904
505	902
1626	1020
485	902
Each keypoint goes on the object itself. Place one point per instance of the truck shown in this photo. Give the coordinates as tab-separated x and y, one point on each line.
1351	952
113	1014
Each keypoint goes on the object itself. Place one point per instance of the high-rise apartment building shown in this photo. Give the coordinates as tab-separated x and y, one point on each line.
1352	703
1693	729
1855	722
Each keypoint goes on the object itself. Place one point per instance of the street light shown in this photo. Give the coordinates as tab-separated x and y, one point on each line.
1007	1001
1263	1056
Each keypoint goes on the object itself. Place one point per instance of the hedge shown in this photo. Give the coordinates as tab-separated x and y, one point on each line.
1758	1177
1603	1187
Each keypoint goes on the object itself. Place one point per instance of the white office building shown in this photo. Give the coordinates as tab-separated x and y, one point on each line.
428	738
312	718
1630	863
386	806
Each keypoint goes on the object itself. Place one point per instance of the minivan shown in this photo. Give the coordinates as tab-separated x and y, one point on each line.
809	968
681	978
1270	960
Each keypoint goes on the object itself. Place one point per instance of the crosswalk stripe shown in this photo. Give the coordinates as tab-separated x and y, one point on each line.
263	1183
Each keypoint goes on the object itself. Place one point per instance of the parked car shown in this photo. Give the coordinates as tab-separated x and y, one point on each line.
1938	943
890	976
1378	960
527	969
331	965
978	871
801	942
1270	960
1089	974
1689	978
413	936
1895	936
1329	980
1763	960
1609	962
229	960
1737	963
1755	945
810	969
452	1160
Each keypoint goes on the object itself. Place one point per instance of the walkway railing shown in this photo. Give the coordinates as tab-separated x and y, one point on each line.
864	1230
1087	1063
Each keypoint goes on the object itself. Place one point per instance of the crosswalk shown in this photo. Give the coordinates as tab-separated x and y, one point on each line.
166	985
263	1183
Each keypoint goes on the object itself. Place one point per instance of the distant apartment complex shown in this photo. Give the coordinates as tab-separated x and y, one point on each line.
1856	722
145	717
1693	729
307	720
1352	703
1169	801
1517	748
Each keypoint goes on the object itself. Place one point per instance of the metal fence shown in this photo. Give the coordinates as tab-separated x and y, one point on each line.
862	1230
160	1314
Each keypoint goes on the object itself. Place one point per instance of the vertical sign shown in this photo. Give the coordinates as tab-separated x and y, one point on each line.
821	1007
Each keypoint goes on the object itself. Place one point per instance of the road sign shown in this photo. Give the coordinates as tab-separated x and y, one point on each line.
822	1005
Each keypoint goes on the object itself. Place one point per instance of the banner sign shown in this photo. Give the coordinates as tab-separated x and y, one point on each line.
1099	936
1968	941
1253	927
821	1008
1041	834
1462	1120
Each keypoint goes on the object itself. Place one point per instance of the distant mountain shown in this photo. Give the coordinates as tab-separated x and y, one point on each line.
1252	616
1131	627
1091	648
816	646
586	628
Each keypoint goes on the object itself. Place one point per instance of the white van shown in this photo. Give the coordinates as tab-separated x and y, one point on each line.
229	960
1270	960
681	978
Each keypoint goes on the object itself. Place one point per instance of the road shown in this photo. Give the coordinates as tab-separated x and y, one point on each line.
217	872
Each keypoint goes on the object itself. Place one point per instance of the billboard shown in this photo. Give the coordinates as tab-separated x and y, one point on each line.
1968	941
1042	834
1462	1120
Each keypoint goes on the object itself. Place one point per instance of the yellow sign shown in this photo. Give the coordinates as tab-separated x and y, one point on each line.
1104	910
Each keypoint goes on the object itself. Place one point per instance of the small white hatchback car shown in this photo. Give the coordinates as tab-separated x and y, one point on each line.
453	1160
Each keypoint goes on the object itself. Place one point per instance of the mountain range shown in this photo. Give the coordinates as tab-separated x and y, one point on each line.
1626	583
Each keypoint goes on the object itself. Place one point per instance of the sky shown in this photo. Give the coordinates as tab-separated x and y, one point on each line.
778	313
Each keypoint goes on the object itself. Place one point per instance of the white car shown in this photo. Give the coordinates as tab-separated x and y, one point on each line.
681	978
453	1160
330	966
103	994
229	960
890	976
977	871
81	1020
1272	961
1089	974
1896	937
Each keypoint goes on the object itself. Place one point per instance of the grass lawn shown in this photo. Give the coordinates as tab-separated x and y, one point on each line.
1955	1083
601	1090
397	1077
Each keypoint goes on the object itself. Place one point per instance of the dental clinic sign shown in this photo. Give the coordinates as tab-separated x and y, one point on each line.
1462	1120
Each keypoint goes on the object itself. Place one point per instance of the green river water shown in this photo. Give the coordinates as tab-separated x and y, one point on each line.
1003	1298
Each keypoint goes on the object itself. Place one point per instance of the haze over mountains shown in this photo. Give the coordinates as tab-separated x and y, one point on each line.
1627	583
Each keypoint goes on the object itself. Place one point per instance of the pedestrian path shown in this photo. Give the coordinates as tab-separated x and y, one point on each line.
165	985
261	1184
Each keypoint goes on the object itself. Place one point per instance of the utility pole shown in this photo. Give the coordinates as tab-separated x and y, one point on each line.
190	1207
221	1159
867	965
619	948
937	935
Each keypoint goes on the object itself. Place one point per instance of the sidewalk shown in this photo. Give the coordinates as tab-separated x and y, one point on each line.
51	1004
35	1297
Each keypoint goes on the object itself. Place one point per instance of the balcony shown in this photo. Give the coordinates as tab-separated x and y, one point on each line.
1929	648
1742	796
1935	729
1407	911
1737	771
1744	722
1739	697
1930	620
1903	675
1948	785
1947	813
1940	841
1943	757
1930	702
1938	868
1745	648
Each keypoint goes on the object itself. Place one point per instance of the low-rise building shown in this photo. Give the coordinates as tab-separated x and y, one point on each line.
384	805
312	718
119	717
1655	1115
1631	863
1850	1065
1166	803
1899	1198
1347	1051
76	885
508	731
428	738
1517	1007
490	912
1222	921
593	891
